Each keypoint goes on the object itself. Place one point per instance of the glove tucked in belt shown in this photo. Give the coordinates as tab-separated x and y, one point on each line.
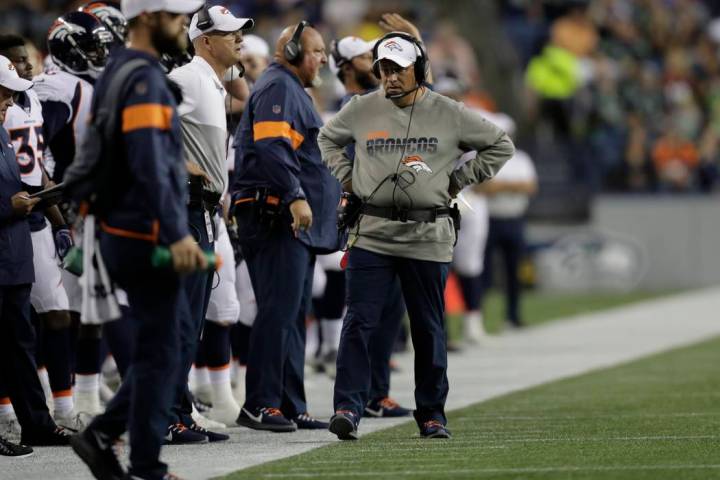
403	214
198	197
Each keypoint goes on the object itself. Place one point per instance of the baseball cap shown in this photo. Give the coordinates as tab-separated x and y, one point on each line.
254	45
133	8
9	77
223	21
349	48
397	50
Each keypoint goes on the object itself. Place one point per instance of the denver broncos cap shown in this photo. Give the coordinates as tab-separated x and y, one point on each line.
9	77
223	21
397	50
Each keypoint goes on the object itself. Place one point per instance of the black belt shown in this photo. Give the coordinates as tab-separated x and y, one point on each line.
404	214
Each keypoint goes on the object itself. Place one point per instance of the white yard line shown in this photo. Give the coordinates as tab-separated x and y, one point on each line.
480	471
503	364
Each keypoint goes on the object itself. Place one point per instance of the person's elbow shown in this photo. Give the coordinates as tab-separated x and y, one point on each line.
506	147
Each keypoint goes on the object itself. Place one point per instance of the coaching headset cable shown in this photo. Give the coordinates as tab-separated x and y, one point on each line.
395	177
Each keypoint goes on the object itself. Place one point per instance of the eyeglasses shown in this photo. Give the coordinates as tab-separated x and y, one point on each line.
218	33
390	68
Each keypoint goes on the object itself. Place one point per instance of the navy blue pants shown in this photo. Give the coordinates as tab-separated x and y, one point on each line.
18	371
142	404
382	341
370	276
197	286
506	235
281	272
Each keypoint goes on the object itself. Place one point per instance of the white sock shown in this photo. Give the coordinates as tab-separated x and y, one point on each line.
311	339
6	408
87	393
63	402
239	390
220	382
233	370
192	382
331	330
202	377
45	383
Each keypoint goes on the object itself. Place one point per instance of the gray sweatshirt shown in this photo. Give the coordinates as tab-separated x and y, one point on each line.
441	131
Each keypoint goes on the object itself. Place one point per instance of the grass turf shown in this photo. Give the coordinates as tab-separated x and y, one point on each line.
656	418
541	307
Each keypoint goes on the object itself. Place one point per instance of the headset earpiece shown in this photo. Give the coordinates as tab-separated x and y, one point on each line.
293	48
339	60
205	21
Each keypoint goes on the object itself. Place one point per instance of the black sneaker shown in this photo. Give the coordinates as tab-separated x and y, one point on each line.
211	436
305	422
9	449
50	438
167	476
385	408
270	419
179	434
99	454
434	429
344	424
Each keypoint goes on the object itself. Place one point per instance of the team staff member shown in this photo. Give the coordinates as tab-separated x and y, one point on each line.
150	209
352	58
24	123
217	37
408	139
17	339
285	201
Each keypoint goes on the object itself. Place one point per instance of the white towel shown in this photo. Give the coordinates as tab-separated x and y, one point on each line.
99	303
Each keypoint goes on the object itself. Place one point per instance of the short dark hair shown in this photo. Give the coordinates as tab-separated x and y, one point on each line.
9	41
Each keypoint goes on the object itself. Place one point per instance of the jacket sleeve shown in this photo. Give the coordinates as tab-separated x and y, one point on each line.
6	211
277	133
147	120
333	138
493	147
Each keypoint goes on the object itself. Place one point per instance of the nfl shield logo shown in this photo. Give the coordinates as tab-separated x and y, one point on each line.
276	109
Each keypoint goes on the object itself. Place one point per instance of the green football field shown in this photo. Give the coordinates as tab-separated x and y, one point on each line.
656	418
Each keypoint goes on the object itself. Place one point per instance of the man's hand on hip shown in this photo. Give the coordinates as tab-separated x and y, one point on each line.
302	215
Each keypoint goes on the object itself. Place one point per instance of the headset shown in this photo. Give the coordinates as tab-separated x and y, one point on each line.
292	50
421	62
205	21
335	53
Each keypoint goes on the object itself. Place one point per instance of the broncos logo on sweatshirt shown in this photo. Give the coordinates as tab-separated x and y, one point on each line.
416	163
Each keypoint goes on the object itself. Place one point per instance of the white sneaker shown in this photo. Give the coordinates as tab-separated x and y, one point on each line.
106	393
75	421
206	423
10	428
203	393
473	329
225	412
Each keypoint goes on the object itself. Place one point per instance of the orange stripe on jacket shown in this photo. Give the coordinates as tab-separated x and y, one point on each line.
146	115
263	130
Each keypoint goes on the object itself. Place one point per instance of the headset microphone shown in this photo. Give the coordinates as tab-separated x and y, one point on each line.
395	96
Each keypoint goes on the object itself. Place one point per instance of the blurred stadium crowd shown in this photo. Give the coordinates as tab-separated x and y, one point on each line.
612	95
